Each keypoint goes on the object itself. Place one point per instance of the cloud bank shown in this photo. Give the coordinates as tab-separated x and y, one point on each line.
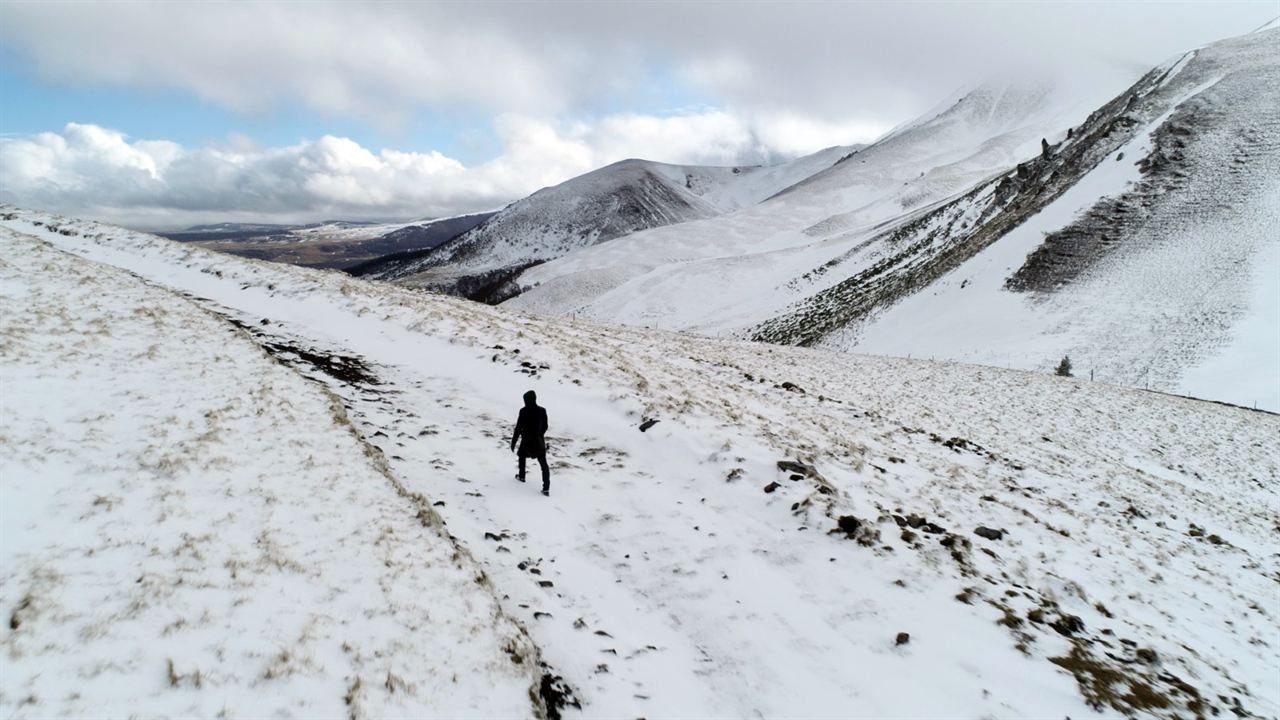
567	86
100	173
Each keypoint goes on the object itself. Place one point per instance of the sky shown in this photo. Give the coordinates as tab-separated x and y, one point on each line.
163	115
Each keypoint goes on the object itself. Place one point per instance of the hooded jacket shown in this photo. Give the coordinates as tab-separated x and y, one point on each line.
531	428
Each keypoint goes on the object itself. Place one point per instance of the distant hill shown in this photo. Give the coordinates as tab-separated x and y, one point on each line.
330	244
613	201
1137	232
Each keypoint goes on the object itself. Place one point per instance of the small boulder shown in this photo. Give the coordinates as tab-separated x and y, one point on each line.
647	424
771	487
797	468
989	533
848	524
902	639
1067	625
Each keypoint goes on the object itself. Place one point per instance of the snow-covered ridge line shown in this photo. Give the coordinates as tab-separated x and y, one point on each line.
1136	235
598	206
254	560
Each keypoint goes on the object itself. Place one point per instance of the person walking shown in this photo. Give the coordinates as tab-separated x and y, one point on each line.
531	431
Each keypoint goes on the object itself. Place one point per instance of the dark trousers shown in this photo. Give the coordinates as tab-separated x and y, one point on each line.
546	470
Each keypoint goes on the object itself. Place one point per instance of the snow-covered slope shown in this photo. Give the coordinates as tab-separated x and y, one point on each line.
601	205
802	532
1159	269
191	529
715	274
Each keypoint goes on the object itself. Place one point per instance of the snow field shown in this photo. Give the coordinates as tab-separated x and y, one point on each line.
191	529
689	575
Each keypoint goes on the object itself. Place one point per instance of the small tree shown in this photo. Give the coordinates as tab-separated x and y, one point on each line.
1064	367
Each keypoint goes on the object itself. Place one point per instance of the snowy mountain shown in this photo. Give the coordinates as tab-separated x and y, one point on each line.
331	244
314	514
1010	228
601	205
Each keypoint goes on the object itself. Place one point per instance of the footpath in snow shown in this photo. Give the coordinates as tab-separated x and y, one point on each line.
191	529
1047	546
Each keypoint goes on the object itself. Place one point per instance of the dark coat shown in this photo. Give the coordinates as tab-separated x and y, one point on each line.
531	427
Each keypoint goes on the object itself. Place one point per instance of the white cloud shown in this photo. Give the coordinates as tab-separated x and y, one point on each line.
95	172
868	62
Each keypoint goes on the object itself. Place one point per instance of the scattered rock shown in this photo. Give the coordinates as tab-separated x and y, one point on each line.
902	639
650	422
556	695
919	523
849	524
734	474
798	468
861	532
1067	625
989	533
1147	655
792	387
496	537
771	487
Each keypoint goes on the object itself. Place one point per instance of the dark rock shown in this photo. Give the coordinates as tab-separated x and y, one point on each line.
796	476
556	695
989	533
1067	625
1147	655
792	387
902	639
859	531
647	424
798	468
771	487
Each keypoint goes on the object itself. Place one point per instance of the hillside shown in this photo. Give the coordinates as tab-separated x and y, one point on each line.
1142	244
335	244
192	529
601	205
799	533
